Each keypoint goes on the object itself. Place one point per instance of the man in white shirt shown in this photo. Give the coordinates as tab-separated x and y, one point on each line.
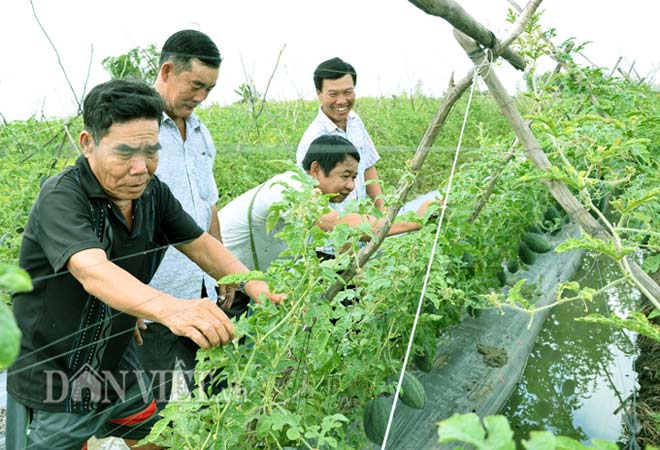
335	81
332	161
189	67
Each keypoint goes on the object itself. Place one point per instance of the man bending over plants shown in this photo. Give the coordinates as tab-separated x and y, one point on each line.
333	162
93	240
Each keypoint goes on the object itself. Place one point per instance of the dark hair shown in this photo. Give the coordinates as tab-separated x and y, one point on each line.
119	101
329	150
185	45
332	69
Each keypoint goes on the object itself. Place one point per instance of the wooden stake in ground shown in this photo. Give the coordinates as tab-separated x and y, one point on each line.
454	13
535	154
453	94
449	100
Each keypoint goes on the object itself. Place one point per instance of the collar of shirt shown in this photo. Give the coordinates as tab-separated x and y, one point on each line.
192	121
330	126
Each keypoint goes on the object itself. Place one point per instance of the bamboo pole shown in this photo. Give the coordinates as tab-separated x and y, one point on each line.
449	100
576	76
618	61
625	75
534	152
454	13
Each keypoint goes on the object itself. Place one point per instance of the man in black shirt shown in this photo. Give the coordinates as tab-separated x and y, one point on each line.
94	238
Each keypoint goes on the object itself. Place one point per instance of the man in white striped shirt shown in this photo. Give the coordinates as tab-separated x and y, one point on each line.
335	89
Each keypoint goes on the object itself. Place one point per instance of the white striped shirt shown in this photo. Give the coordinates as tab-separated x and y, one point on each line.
187	168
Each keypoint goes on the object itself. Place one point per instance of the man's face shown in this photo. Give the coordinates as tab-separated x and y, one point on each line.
185	90
336	98
125	159
340	180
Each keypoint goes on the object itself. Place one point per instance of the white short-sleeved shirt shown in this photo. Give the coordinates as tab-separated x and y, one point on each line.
356	133
187	168
234	222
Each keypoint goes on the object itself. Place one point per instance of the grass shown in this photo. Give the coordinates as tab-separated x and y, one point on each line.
251	148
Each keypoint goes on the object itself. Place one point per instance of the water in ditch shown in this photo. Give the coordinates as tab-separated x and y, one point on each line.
578	374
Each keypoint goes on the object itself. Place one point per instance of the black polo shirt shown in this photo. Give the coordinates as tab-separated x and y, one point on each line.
65	330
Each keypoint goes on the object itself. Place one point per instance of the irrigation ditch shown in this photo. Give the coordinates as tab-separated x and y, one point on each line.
479	362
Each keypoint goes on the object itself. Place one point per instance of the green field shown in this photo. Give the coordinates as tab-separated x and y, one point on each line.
302	380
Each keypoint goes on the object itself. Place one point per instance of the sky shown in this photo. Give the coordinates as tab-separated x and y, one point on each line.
394	46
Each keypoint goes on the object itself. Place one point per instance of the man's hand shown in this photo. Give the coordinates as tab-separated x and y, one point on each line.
200	320
226	295
139	325
421	211
254	288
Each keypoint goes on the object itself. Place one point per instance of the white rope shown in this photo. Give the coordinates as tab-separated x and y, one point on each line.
428	267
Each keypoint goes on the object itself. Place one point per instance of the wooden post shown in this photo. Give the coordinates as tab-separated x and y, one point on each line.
453	94
454	13
618	61
535	153
625	75
449	100
576	76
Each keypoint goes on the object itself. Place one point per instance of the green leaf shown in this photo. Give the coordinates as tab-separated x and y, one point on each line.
278	420
540	440
333	421
157	430
547	121
467	428
462	428
238	277
565	443
14	279
648	196
651	264
587	242
636	321
599	444
10	337
515	296
294	433
595	118
275	421
500	436
544	440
